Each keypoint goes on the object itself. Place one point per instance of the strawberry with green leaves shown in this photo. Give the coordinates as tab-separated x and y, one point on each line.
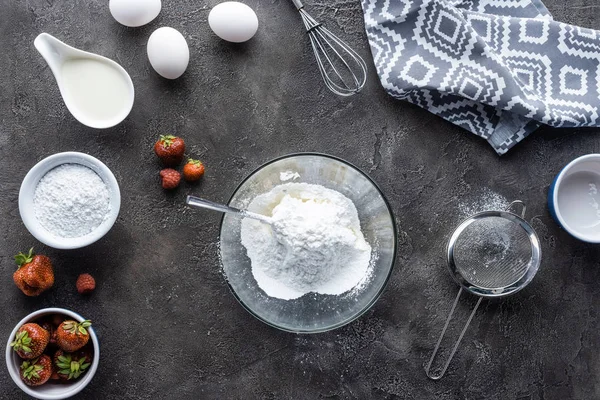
71	366
170	150
30	341
34	274
36	372
193	170
72	335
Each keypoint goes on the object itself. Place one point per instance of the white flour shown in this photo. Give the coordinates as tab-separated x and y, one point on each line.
314	245
71	200
288	175
484	200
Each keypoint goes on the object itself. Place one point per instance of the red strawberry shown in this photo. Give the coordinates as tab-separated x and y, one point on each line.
170	178
36	372
47	325
72	335
85	284
193	170
170	150
30	341
72	365
35	273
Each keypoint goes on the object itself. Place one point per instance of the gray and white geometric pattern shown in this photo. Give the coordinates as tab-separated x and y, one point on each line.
498	68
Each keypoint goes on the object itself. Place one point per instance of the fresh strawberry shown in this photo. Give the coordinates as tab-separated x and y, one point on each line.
72	335
30	341
36	372
72	365
170	178
47	325
193	170
85	284
170	150
35	273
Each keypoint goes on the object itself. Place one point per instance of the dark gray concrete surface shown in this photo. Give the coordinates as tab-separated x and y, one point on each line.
168	325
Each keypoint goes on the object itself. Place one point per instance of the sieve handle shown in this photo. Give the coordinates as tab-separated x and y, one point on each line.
438	376
517	202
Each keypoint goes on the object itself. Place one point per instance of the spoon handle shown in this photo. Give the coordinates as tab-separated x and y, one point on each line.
211	205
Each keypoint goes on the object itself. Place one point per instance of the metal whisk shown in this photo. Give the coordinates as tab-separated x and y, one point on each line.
342	69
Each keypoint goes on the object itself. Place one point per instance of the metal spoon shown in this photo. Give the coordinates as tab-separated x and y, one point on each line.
209	205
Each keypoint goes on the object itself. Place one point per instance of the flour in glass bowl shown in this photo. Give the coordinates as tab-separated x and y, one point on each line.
71	200
315	243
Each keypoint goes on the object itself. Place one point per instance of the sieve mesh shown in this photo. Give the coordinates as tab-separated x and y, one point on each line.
493	252
497	253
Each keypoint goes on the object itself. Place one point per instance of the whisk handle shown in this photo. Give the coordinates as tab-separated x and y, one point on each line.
298	4
440	374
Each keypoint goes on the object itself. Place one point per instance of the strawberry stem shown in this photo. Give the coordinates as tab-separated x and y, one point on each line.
23	259
22	342
70	367
77	328
195	162
167	140
31	369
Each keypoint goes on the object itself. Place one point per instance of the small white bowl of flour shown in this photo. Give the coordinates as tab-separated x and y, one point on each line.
69	200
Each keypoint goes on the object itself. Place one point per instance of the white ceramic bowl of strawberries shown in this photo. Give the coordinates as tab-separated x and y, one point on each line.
51	391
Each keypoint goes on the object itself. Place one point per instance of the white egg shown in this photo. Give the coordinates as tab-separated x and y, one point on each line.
168	52
134	13
233	21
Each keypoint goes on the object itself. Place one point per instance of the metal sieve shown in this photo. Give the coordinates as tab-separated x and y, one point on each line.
490	254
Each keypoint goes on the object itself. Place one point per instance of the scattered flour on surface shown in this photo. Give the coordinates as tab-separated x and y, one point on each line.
71	200
314	245
486	200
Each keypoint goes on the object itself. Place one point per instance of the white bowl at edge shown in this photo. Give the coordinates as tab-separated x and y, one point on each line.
36	173
572	198
50	391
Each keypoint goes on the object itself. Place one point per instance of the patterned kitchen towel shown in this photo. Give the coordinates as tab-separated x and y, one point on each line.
498	68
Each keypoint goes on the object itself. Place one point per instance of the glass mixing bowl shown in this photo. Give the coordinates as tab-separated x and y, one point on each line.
312	312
